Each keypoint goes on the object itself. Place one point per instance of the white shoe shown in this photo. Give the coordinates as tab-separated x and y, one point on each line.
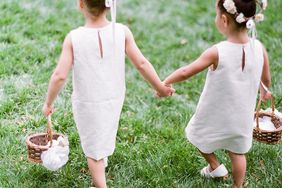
219	172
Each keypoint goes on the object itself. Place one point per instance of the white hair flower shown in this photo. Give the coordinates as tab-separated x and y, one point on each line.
259	17
230	7
250	24
240	18
264	4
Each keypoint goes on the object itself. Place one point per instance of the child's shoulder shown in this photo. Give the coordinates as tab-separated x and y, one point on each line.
258	42
75	30
221	43
226	42
82	30
127	31
123	26
81	27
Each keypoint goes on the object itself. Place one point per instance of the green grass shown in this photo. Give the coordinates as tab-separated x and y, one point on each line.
152	150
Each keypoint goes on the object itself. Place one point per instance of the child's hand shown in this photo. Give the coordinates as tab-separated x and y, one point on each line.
165	91
47	109
264	96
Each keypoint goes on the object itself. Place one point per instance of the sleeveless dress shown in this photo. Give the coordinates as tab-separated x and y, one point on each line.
225	112
98	87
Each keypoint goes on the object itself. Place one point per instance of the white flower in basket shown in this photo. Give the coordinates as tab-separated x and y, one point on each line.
57	155
268	123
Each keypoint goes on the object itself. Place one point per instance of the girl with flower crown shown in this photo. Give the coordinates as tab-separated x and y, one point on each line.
96	53
236	67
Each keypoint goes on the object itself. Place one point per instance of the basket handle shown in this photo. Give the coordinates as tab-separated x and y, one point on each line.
258	109
49	129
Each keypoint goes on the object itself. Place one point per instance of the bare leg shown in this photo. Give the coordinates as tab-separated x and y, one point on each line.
239	165
97	170
211	159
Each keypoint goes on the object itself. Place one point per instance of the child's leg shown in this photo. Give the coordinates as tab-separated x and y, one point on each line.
238	168
97	169
211	159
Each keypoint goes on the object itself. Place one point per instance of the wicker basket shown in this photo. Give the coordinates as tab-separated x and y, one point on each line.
37	143
268	137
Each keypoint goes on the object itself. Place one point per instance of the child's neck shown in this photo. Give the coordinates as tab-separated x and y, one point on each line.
238	36
96	22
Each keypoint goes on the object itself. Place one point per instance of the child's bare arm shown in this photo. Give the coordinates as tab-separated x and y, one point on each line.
144	66
265	77
208	58
59	75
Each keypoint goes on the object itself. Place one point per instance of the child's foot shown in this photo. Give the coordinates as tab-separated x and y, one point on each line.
219	172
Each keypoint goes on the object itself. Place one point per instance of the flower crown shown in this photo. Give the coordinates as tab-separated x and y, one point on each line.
230	7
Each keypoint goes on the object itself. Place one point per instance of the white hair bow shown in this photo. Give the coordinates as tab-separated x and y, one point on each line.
112	4
251	26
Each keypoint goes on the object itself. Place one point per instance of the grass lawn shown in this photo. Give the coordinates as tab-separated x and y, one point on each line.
152	151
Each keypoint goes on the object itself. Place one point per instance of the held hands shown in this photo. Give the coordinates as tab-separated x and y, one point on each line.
47	109
165	91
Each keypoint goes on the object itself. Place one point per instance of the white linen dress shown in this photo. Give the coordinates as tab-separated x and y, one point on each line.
225	112
98	87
